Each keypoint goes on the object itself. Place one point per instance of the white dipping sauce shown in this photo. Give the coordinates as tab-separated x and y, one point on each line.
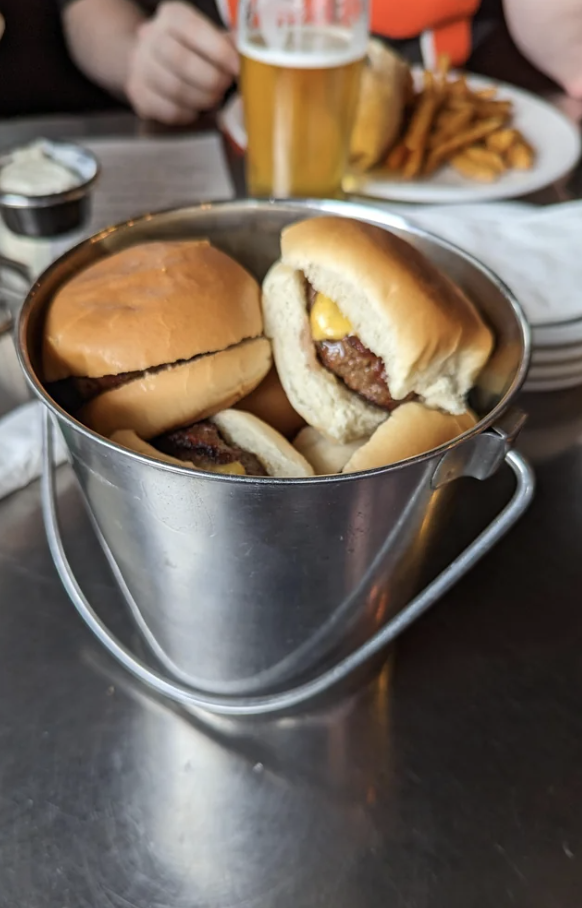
30	171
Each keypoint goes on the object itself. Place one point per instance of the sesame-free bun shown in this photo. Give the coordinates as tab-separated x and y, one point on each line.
411	430
270	403
151	304
314	392
181	394
277	455
385	86
429	335
324	455
127	438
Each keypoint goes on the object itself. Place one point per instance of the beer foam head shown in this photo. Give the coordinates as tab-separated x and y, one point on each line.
306	47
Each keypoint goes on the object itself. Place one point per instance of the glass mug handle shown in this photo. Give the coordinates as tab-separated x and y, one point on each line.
21	270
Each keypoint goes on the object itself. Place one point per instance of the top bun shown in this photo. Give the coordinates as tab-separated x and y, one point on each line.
151	304
429	335
384	90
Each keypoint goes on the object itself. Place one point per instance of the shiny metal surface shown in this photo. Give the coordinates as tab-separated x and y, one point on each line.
324	681
332	557
453	781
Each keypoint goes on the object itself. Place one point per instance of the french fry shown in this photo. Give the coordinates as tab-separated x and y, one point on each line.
493	108
520	155
457	102
421	121
486	158
458	87
413	164
502	140
467	167
487	94
449	124
462	140
443	65
397	156
428	79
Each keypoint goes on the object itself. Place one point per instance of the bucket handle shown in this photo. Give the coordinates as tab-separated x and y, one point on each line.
22	271
279	702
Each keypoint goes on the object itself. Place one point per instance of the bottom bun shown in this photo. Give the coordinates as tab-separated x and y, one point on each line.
411	430
278	456
270	403
325	456
181	394
127	438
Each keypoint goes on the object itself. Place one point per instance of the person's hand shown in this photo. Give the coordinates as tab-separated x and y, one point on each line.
181	64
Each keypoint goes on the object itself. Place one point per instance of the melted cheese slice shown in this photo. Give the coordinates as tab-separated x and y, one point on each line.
327	322
235	469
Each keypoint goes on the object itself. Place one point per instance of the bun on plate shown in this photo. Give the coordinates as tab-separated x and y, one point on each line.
159	335
231	441
413	429
385	87
270	403
361	322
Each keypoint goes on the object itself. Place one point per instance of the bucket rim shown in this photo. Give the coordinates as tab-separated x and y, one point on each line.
357	210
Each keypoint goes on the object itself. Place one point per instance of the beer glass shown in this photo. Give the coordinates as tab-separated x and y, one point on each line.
301	63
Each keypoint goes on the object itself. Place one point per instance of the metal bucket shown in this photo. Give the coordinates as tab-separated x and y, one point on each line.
258	594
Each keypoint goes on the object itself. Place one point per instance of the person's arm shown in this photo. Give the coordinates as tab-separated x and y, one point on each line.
549	34
169	67
101	35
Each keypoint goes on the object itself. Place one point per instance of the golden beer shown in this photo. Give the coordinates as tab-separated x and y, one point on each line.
299	107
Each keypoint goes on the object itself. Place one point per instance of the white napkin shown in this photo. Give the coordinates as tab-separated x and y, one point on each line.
21	448
536	251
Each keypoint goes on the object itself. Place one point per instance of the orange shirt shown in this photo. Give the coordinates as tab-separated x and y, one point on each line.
443	26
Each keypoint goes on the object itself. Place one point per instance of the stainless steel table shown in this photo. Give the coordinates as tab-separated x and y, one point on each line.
452	781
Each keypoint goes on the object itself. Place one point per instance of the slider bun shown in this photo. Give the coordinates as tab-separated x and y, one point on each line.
279	458
315	392
384	89
324	455
127	438
182	394
148	305
429	335
277	455
270	403
411	430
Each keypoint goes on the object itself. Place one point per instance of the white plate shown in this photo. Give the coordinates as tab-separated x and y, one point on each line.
558	384
563	335
231	121
543	373
556	139
550	356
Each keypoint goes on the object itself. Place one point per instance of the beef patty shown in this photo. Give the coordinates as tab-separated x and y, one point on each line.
360	369
203	445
